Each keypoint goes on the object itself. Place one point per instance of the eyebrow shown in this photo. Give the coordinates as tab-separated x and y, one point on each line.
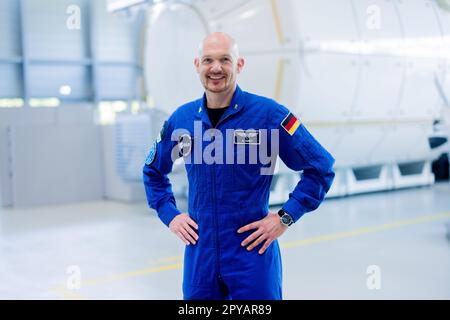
223	56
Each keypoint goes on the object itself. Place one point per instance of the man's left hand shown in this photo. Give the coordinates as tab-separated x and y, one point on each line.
267	229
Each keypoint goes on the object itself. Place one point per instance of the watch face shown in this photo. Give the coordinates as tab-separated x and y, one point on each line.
286	219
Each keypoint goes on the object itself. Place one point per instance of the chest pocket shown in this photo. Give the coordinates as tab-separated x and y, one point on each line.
248	150
246	170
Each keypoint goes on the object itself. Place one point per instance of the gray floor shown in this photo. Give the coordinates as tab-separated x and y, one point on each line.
124	252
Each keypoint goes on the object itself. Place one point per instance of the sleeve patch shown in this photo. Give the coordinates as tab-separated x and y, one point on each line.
290	123
162	132
151	155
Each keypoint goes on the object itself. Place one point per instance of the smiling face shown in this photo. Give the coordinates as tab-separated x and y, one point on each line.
218	63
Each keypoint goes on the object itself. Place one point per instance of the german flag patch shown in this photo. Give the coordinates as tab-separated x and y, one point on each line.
290	123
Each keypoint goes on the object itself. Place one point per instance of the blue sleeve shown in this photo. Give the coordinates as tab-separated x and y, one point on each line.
301	152
156	168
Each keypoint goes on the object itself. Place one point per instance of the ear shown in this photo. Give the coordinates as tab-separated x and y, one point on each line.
240	65
196	64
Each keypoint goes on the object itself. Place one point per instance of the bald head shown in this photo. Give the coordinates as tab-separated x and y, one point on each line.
218	64
217	40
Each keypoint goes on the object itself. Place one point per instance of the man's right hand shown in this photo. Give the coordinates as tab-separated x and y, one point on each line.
182	225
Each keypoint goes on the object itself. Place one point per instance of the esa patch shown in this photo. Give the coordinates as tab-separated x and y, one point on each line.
290	123
247	137
151	155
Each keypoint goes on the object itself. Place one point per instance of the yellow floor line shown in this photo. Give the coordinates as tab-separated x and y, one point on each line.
172	259
68	294
365	230
131	274
73	295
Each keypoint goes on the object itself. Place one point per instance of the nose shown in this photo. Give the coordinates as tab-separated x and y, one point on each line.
216	67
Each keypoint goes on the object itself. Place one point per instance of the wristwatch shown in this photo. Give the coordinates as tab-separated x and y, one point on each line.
285	218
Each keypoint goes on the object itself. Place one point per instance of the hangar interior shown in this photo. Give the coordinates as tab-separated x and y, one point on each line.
86	85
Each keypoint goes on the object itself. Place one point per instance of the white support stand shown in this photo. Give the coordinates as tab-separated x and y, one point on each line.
368	179
349	181
413	174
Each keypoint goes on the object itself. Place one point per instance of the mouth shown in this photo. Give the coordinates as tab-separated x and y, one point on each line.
216	77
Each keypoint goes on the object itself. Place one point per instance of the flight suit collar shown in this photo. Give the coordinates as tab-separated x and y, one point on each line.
236	105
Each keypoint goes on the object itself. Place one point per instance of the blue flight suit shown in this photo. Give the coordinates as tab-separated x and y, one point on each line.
224	197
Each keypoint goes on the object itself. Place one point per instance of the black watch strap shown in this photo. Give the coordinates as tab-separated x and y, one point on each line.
285	217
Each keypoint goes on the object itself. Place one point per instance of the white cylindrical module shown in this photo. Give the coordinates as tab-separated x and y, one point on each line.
172	36
363	75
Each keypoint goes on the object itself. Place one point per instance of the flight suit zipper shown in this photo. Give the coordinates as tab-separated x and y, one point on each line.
216	225
215	204
214	197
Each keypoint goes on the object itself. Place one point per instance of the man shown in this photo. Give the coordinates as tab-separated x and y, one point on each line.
230	236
